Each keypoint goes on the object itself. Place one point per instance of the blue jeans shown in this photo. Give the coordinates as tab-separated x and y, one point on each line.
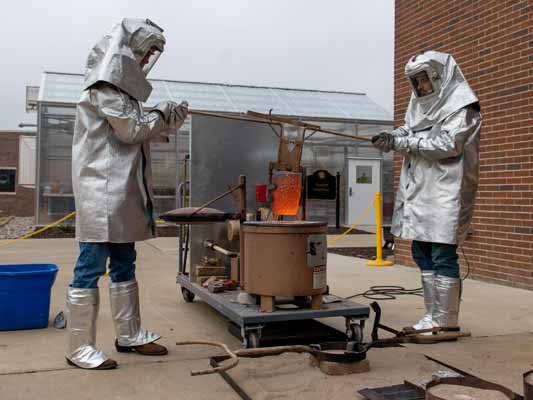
91	264
439	257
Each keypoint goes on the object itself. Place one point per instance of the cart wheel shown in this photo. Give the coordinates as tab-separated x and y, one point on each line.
252	340
188	296
355	333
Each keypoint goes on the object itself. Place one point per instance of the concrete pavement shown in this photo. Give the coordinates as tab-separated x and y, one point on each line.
32	363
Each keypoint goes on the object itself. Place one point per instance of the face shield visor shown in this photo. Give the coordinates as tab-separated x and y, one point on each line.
421	83
149	60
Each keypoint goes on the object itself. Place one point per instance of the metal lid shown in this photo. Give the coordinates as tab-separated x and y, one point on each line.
190	215
285	224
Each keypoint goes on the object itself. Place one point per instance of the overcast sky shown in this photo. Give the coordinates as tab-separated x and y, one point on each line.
344	45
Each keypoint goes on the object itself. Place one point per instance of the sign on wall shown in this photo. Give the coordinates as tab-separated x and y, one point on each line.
321	185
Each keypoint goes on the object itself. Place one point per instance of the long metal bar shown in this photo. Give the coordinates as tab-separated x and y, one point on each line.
214	361
228	116
283	120
180	233
305	125
365	139
215	199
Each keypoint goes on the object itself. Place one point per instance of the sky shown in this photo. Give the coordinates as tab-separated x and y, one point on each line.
340	45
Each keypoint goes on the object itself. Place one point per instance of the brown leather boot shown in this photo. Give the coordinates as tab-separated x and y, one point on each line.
107	364
148	349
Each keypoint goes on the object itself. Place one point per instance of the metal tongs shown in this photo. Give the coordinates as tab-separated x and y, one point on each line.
353	352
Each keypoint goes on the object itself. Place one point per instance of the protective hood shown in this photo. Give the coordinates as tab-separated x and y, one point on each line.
117	57
449	90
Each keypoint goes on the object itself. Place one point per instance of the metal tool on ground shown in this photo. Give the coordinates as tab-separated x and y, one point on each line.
469	382
422	390
440	334
404	391
334	358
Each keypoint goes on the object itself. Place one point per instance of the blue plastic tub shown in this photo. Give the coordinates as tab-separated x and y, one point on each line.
25	295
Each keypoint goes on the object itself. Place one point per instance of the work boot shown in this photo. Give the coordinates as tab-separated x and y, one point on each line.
82	314
428	286
447	299
124	299
148	349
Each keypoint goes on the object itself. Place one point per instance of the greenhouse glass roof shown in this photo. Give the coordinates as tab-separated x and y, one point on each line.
66	88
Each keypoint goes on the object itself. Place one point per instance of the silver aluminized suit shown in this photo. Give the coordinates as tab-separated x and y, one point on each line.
440	172
111	169
112	183
439	177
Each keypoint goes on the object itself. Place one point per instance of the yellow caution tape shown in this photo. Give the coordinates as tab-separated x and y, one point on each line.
352	227
30	234
330	242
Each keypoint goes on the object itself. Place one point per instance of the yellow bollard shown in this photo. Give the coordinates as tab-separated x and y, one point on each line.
379	261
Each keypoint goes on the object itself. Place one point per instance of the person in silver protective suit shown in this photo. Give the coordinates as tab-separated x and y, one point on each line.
439	178
112	181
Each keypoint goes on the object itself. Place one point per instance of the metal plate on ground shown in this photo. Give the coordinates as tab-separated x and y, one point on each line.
293	332
404	391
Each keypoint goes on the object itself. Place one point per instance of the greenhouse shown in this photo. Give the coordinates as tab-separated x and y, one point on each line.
349	113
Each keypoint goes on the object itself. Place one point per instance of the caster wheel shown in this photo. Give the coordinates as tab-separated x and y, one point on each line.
188	296
252	341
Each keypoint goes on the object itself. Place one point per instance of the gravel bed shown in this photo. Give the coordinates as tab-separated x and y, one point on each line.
16	227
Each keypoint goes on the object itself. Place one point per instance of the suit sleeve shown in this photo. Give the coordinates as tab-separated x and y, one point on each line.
449	142
125	115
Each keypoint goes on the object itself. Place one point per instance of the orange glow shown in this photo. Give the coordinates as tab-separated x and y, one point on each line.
286	196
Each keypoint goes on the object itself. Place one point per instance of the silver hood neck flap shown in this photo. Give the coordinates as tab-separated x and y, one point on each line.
116	58
451	91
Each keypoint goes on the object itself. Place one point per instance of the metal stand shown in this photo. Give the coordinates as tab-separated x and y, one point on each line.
251	320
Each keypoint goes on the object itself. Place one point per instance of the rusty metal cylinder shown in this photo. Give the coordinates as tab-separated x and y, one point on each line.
284	258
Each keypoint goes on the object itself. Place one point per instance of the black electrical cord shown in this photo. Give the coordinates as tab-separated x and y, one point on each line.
381	292
384	292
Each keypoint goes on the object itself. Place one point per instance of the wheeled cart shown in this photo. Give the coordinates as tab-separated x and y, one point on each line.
252	321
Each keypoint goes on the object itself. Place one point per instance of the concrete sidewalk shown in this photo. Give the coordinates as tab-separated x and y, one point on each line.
32	363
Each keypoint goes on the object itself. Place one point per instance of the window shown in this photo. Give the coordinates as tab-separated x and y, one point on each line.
8	177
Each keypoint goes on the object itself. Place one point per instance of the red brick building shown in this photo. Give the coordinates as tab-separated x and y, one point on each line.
492	40
17	173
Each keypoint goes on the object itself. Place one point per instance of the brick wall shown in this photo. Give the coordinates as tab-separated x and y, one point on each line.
492	40
20	204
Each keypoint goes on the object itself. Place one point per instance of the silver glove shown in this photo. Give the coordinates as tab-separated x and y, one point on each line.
384	142
166	108
178	115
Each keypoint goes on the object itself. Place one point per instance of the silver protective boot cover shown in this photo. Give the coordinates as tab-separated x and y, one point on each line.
447	300
82	313
124	298
428	286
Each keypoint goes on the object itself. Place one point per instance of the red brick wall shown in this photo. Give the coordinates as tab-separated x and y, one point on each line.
20	204
492	40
